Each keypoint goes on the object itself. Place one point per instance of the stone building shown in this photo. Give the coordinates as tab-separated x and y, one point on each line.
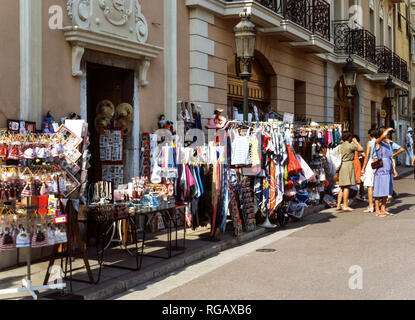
163	51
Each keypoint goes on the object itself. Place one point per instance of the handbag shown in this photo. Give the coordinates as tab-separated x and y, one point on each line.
377	164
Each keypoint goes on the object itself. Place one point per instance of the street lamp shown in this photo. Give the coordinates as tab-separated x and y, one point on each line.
245	34
390	94
349	75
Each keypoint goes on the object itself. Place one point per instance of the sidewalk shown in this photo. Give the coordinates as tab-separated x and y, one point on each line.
116	281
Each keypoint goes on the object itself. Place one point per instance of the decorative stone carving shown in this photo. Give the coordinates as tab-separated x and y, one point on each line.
123	17
141	27
114	26
80	12
118	13
142	72
77	53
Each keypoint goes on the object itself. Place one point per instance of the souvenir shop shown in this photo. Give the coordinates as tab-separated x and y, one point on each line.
253	174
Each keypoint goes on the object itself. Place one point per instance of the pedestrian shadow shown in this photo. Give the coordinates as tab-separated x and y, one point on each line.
401	208
295	223
405	195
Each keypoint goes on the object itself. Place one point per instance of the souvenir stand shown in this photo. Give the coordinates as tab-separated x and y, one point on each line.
253	171
75	160
142	199
33	180
316	149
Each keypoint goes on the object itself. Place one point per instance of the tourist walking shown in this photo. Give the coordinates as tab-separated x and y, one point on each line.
347	175
368	172
383	184
396	150
358	171
409	147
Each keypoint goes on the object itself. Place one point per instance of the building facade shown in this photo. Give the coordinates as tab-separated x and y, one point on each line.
184	50
67	55
301	49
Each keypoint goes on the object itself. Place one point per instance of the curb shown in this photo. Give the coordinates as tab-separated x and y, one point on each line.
130	281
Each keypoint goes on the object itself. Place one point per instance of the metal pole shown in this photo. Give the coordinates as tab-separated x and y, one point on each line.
349	99
245	107
28	254
388	118
245	75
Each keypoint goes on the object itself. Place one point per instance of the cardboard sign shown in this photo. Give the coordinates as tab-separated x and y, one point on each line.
288	117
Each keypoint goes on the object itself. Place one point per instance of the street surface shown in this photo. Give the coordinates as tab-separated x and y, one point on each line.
331	255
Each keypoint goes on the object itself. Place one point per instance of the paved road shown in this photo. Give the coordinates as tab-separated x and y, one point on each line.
312	261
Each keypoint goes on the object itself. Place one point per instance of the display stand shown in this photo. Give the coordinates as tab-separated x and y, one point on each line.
73	233
267	224
27	284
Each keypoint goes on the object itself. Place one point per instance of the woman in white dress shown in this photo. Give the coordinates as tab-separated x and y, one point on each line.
367	172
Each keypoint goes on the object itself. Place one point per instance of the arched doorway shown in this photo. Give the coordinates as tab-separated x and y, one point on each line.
341	106
259	85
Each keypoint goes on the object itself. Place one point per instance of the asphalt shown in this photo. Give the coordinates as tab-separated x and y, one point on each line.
333	255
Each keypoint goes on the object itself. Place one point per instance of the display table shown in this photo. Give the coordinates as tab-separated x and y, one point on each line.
104	218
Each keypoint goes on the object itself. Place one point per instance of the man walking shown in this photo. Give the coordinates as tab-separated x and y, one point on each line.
409	147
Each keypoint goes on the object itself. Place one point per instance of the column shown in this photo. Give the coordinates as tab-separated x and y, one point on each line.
200	49
31	60
359	116
170	59
330	79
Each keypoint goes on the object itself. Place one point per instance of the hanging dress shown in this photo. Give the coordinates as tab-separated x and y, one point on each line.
273	191
347	175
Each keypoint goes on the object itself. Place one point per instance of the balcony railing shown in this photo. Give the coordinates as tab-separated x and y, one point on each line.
396	63
404	71
354	39
384	59
313	15
389	62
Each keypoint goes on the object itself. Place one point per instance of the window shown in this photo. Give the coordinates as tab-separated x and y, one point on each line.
372	21
390	37
300	100
399	16
407	24
403	103
381	31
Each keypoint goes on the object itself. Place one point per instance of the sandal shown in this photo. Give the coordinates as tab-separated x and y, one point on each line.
389	214
348	209
369	210
380	215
